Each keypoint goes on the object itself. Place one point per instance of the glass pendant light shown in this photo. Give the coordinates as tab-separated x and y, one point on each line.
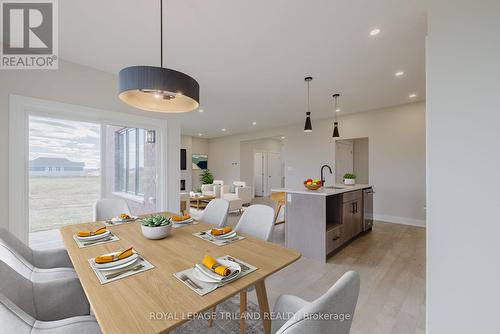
308	125
335	123
158	89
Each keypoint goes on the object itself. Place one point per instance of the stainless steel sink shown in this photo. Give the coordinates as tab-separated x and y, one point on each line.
334	187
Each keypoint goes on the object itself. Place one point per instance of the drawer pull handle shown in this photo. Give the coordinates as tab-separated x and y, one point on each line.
336	238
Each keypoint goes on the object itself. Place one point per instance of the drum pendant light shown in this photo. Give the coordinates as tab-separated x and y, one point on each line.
308	125
335	123
158	89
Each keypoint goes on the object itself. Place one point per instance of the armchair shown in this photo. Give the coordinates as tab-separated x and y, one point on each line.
242	195
213	189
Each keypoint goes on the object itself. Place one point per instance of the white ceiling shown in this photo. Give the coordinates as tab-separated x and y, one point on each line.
250	57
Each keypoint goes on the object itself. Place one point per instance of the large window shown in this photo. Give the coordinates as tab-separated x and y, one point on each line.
130	160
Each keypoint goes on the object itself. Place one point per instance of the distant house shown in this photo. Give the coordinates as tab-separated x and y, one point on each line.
56	167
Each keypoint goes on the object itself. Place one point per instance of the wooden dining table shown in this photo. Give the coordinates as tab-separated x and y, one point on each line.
132	304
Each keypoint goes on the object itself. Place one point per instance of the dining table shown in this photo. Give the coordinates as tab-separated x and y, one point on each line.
133	304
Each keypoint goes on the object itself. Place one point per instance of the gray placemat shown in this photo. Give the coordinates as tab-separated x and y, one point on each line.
205	235
101	275
83	244
185	276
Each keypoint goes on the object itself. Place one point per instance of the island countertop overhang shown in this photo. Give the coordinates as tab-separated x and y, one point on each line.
325	191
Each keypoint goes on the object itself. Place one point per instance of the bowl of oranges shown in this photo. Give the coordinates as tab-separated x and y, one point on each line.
312	184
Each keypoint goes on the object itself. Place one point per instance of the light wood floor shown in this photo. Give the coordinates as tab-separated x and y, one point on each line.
391	262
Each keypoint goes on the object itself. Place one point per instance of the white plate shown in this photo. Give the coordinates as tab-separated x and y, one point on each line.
94	237
114	263
119	220
182	221
224	236
124	265
206	275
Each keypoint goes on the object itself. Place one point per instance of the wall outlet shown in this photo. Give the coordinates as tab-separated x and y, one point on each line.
289	198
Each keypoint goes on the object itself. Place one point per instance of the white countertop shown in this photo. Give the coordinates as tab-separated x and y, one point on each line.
325	191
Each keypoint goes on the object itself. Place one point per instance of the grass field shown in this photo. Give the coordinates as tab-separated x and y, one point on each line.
59	201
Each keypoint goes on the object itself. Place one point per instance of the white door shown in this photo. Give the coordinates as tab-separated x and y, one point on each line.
344	159
258	174
274	171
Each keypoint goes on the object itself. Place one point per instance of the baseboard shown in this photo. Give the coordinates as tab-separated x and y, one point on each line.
400	220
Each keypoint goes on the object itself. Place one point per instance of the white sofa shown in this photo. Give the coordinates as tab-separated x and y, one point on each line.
242	195
213	189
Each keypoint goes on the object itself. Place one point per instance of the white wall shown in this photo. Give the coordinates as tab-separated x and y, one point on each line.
396	156
361	160
463	105
247	150
193	145
187	143
79	85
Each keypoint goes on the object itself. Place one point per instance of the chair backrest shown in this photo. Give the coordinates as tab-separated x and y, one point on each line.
239	183
257	221
215	212
16	254
218	182
339	301
17	289
108	208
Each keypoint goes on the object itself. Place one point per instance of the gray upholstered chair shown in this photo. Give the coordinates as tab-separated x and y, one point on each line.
37	266
257	221
43	300
339	300
108	208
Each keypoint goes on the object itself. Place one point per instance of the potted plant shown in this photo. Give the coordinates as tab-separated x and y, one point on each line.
349	179
156	227
206	177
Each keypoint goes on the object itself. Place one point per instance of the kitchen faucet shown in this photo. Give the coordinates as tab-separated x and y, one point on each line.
322	178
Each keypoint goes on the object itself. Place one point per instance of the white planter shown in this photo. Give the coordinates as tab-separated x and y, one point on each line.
350	182
156	233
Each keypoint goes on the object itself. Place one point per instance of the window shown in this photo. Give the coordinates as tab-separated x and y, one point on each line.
129	160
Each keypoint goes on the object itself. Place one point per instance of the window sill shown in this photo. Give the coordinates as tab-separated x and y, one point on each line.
130	197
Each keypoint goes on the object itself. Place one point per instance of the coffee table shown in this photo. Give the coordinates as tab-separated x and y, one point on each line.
200	202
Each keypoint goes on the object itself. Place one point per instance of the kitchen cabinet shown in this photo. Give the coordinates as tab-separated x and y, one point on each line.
352	215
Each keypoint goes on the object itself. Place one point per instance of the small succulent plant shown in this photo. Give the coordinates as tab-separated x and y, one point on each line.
349	176
155	221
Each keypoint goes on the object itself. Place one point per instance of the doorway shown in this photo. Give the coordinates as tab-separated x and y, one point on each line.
268	172
351	156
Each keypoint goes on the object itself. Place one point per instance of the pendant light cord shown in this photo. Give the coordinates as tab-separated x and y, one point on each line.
308	101
161	33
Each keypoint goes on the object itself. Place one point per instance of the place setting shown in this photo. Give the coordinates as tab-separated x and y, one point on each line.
121	219
219	236
213	273
117	265
92	238
181	221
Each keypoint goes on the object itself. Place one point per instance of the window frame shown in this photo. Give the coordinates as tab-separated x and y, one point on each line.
125	133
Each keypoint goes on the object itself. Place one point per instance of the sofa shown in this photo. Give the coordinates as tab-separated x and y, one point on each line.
213	189
238	194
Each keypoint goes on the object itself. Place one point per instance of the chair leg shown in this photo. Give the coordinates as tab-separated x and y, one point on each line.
211	320
243	309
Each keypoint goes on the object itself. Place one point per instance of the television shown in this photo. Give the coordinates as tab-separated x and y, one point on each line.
199	161
183	159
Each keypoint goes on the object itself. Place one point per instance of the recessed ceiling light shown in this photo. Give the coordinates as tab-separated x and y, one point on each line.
201	110
254	123
337	110
400	73
411	96
223	129
200	134
375	32
282	137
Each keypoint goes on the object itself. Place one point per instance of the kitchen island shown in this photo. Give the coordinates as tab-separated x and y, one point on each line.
320	222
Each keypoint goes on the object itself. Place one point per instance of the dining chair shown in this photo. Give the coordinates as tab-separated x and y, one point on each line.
215	212
256	221
43	300
11	246
108	208
340	300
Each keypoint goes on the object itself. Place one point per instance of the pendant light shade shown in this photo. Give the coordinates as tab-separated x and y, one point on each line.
158	89
308	125
336	130
336	133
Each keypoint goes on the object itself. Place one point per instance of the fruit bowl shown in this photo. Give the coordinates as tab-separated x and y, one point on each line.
312	186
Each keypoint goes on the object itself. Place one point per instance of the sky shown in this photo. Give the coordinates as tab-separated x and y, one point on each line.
56	138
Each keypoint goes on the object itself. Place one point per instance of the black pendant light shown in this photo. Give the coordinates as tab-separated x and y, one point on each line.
159	89
335	123
308	125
